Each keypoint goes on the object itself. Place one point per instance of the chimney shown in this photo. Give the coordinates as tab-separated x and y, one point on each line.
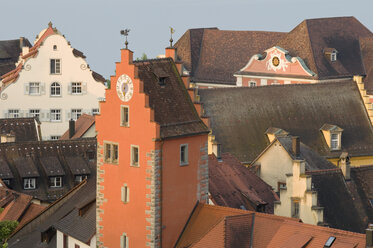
21	39
216	149
71	128
369	236
345	165
296	146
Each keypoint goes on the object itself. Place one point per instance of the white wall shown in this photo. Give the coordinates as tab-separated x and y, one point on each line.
72	242
275	163
73	69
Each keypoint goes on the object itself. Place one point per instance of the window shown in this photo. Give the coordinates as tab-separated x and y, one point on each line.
281	185
55	137
55	48
55	115
111	153
76	88
333	56
124	241
334	141
13	113
34	89
95	111
134	155
184	154
295	209
55	66
29	183
252	84
34	113
124	118
76	113
55	182
125	194
80	178
6	182
55	89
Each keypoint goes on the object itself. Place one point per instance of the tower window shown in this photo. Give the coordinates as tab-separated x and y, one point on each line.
111	153
135	156
184	154
124	116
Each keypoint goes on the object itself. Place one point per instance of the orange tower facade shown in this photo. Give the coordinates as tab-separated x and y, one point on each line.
152	156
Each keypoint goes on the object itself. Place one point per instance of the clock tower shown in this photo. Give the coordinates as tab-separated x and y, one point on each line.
152	156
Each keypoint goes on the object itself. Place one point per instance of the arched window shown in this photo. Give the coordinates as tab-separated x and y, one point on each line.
55	89
55	47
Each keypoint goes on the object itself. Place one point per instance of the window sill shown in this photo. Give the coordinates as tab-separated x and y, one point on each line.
184	164
55	95
135	165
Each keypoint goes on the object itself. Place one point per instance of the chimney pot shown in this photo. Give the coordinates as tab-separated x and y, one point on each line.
71	128
216	149
345	165
296	146
369	236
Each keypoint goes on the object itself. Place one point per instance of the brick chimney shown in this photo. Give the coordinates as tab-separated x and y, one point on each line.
345	165
71	128
369	236
295	146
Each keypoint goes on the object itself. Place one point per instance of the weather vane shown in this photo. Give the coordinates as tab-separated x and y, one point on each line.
172	30
125	33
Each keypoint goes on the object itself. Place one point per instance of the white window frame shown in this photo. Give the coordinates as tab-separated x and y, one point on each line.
54	113
80	178
56	69
34	113
184	154
95	111
252	84
13	113
55	137
55	86
125	193
55	182
335	143
76	113
123	122
111	146
36	86
124	242
333	56
76	88
29	183
133	163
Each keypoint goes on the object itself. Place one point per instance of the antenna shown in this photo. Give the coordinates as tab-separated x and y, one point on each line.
125	33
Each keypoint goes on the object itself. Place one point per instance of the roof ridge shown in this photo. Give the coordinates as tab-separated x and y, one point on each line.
151	60
323	171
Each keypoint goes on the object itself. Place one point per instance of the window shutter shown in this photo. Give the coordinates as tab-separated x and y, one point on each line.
48	116
122	194
68	114
42	88
69	88
5	114
27	88
84	88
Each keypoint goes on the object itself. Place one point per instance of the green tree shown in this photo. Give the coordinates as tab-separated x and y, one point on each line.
6	228
143	57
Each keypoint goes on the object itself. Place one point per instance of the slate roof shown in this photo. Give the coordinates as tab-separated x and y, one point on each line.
24	129
9	53
239	117
212	55
17	206
333	192
82	125
60	215
366	46
42	159
311	37
215	226
232	185
173	108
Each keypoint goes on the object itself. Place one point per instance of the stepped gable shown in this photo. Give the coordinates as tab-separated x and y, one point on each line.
43	159
232	185
9	53
213	55
173	108
58	215
24	129
312	37
239	117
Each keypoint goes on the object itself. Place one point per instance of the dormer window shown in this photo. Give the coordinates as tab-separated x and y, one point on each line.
333	56
333	136
331	53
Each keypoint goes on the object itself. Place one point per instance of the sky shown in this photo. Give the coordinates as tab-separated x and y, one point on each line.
93	26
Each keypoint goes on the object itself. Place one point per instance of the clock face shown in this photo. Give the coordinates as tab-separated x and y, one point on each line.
124	88
275	61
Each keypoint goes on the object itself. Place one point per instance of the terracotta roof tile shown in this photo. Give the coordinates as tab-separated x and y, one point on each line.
81	127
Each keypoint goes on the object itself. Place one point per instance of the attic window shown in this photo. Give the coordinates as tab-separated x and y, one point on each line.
333	56
329	242
55	47
331	53
162	81
333	136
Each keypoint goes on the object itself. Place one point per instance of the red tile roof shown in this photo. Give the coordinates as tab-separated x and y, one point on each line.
81	127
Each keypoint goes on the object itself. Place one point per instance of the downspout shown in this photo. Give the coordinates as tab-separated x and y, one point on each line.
252	232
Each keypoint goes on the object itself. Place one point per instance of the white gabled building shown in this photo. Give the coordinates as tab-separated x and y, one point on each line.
53	81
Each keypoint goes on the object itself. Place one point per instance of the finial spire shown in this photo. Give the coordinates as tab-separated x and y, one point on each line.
125	33
171	31
50	24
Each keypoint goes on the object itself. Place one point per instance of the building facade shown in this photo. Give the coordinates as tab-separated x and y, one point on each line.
152	148
54	82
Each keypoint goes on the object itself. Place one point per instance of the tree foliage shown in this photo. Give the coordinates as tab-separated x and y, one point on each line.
6	228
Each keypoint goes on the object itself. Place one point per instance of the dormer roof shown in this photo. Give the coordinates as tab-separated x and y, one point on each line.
331	128
276	131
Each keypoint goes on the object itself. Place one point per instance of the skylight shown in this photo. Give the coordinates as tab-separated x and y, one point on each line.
329	242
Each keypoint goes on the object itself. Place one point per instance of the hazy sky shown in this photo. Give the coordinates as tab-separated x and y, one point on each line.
93	26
